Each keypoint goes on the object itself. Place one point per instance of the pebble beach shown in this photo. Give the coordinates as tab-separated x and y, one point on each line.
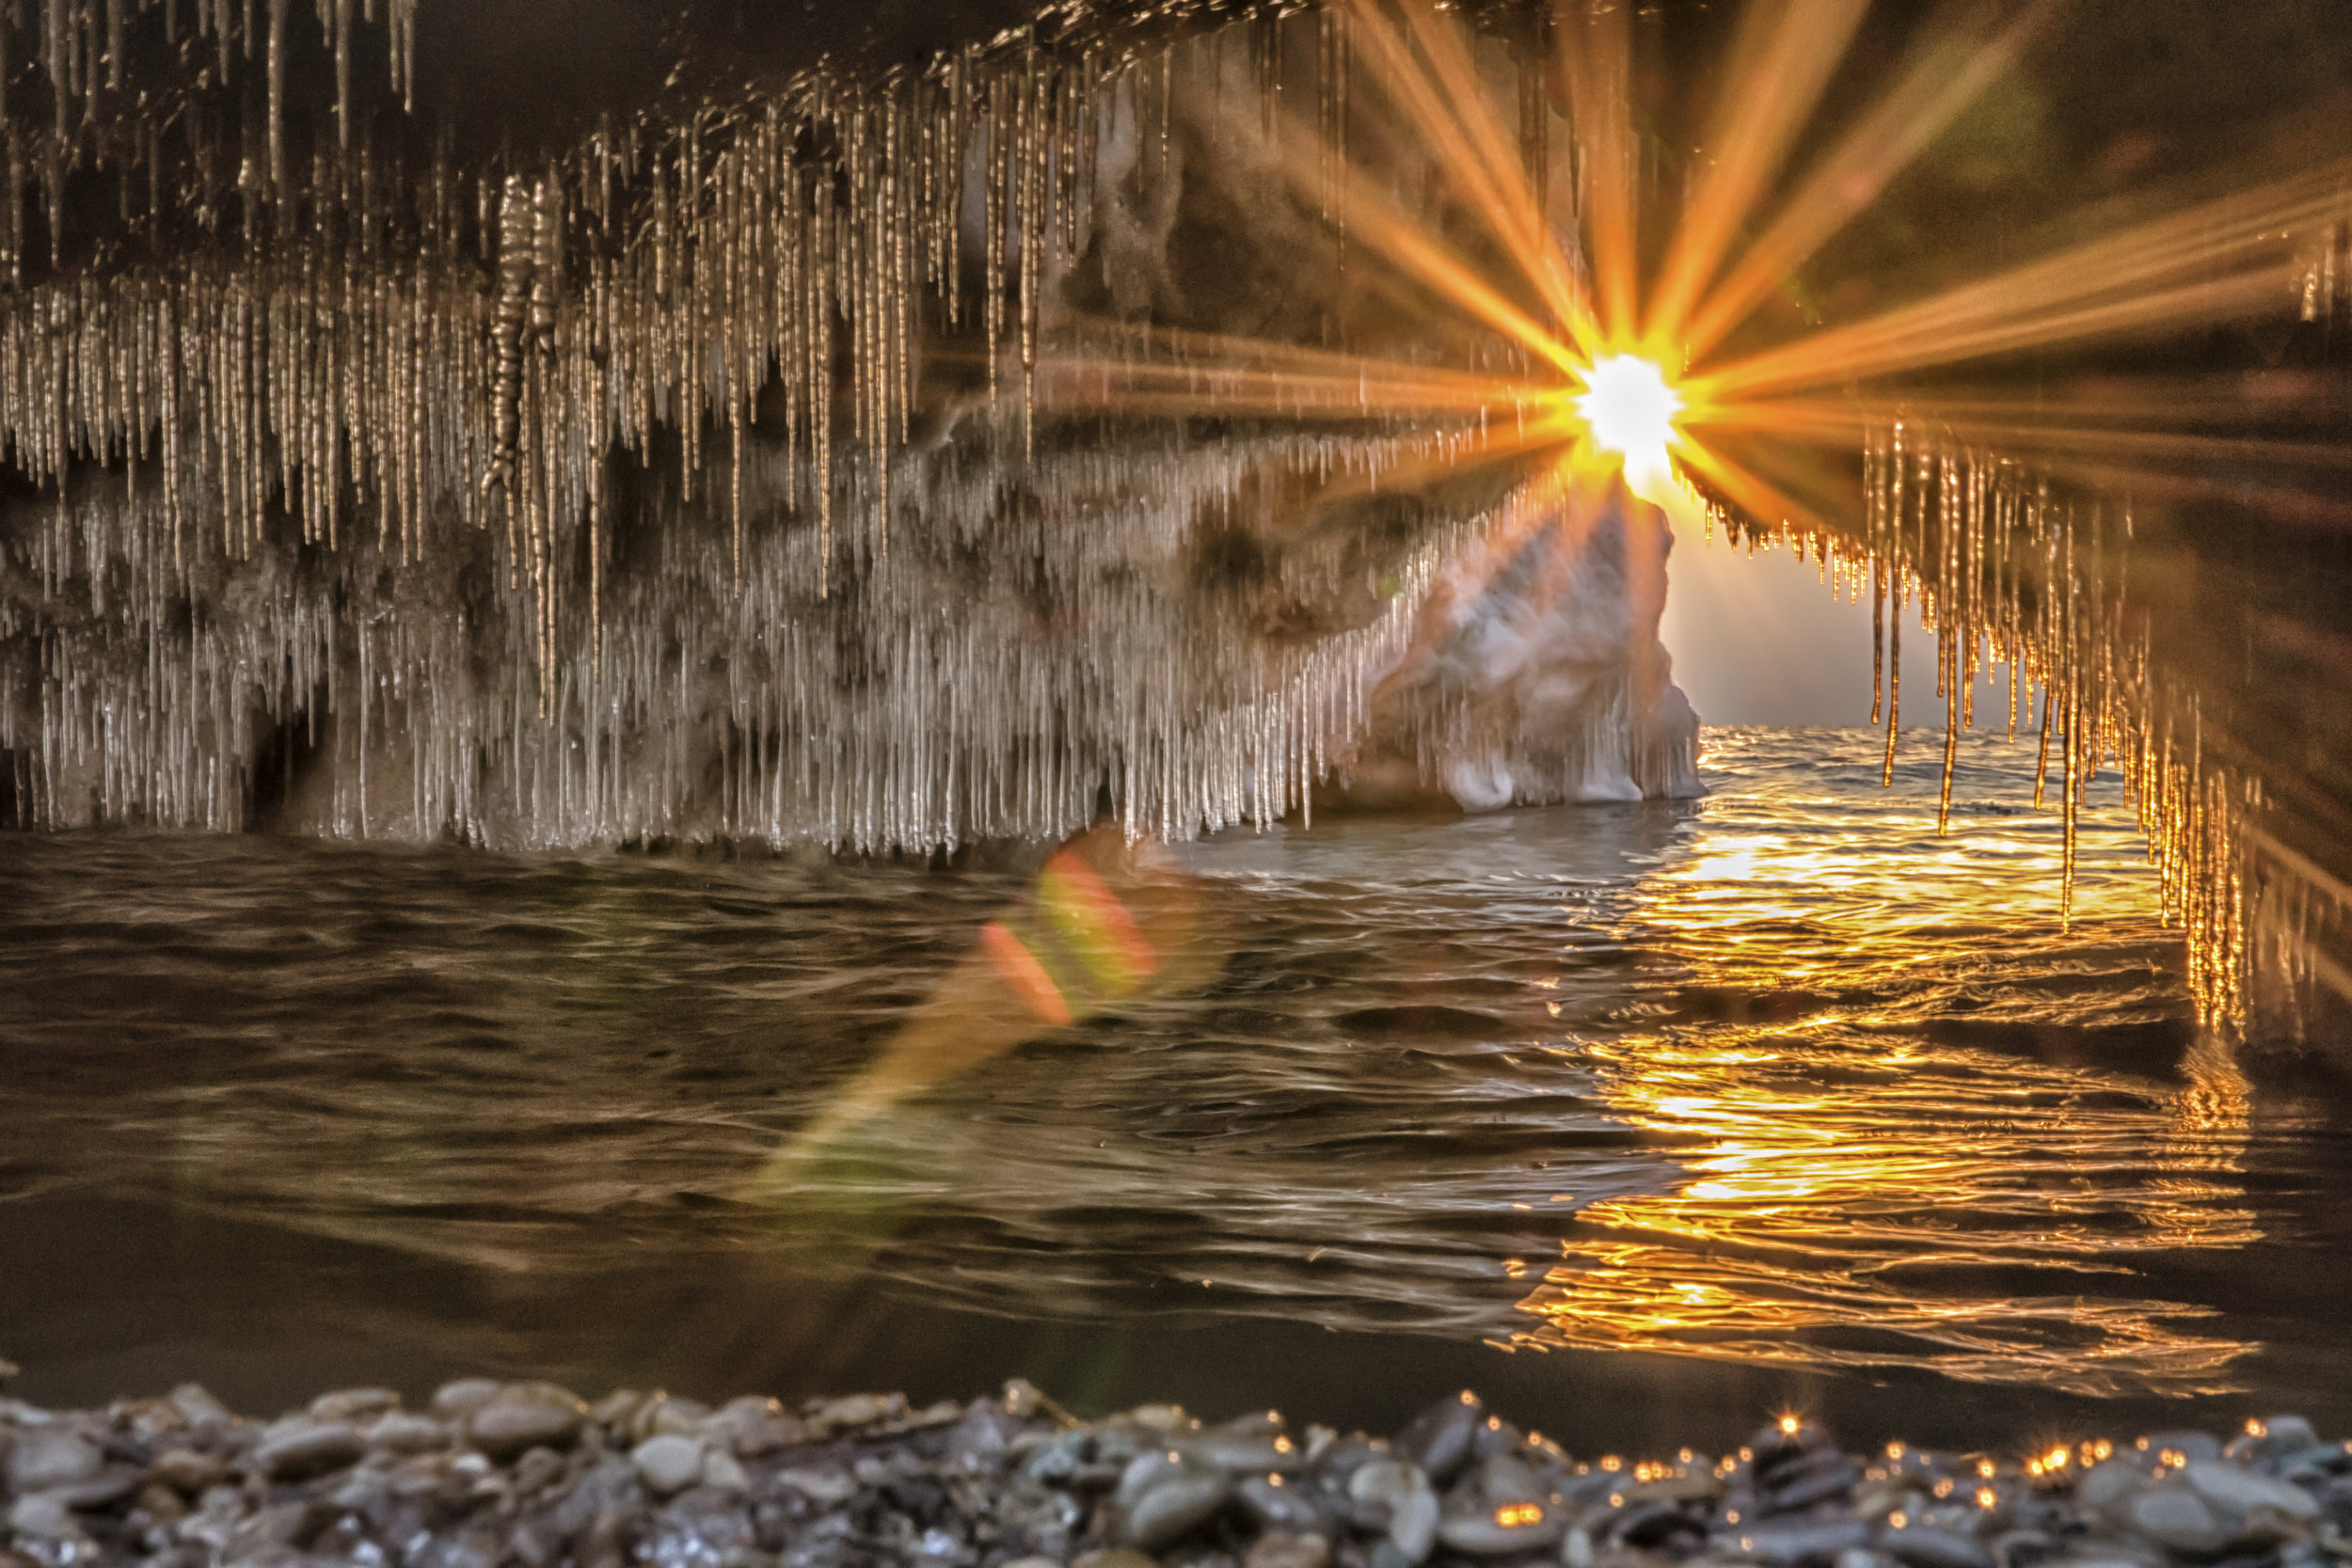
487	1474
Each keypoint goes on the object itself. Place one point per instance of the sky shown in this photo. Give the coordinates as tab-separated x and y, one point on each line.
1762	640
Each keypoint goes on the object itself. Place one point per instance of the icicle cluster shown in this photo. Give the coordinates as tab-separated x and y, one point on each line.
2003	570
615	498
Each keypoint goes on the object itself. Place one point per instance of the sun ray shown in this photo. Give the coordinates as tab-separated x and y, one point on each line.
1597	57
1943	80
1781	62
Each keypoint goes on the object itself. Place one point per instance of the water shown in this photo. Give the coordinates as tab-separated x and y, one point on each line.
1771	1095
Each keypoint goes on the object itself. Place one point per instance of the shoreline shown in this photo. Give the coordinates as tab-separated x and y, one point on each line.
489	1473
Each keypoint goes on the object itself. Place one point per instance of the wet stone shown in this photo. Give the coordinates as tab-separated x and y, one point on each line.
197	1407
1502	1508
1287	1549
455	1400
48	1456
1441	1439
669	1462
1250	1443
1273	1504
523	1415
1802	1545
104	1490
2234	1487
2188	1444
2177	1518
1165	1495
1932	1547
298	1448
355	1405
43	1517
1114	1557
403	1432
1413	1524
187	1471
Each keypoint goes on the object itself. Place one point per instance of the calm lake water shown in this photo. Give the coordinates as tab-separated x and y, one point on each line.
1771	1097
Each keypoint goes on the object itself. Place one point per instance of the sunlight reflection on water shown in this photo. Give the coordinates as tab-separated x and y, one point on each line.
1778	1076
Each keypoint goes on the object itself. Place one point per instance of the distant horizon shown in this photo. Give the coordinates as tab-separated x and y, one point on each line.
1761	643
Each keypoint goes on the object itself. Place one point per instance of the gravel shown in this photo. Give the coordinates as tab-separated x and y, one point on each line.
527	1475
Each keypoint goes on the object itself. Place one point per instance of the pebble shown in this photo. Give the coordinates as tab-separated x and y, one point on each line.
1931	1547
1287	1549
2235	1486
1167	1494
298	1448
669	1462
357	1405
454	1401
1114	1557
46	1457
196	1405
43	1517
404	1433
523	1473
524	1416
1500	1509
2177	1518
1440	1439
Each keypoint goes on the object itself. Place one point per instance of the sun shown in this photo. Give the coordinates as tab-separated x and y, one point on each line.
1631	411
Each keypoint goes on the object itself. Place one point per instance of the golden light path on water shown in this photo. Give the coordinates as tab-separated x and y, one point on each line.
1837	1162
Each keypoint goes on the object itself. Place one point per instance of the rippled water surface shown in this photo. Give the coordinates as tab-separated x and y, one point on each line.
1776	1094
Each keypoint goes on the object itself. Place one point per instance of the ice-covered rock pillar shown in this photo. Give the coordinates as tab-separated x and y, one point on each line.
1536	675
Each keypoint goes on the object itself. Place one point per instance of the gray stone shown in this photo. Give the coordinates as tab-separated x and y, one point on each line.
2188	1443
1413	1524
1932	1547
298	1448
2235	1486
1165	1495
42	1516
198	1407
536	1469
1796	1544
1275	1503
857	1410
1114	1557
2273	1439
51	1456
720	1470
404	1433
1441	1438
454	1401
1384	1481
670	1463
1250	1443
2109	1488
752	1426
355	1405
1500	1509
823	1485
187	1471
2177	1518
526	1416
108	1487
160	1505
1288	1549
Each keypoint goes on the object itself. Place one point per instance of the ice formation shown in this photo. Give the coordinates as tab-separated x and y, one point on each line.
706	479
864	459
